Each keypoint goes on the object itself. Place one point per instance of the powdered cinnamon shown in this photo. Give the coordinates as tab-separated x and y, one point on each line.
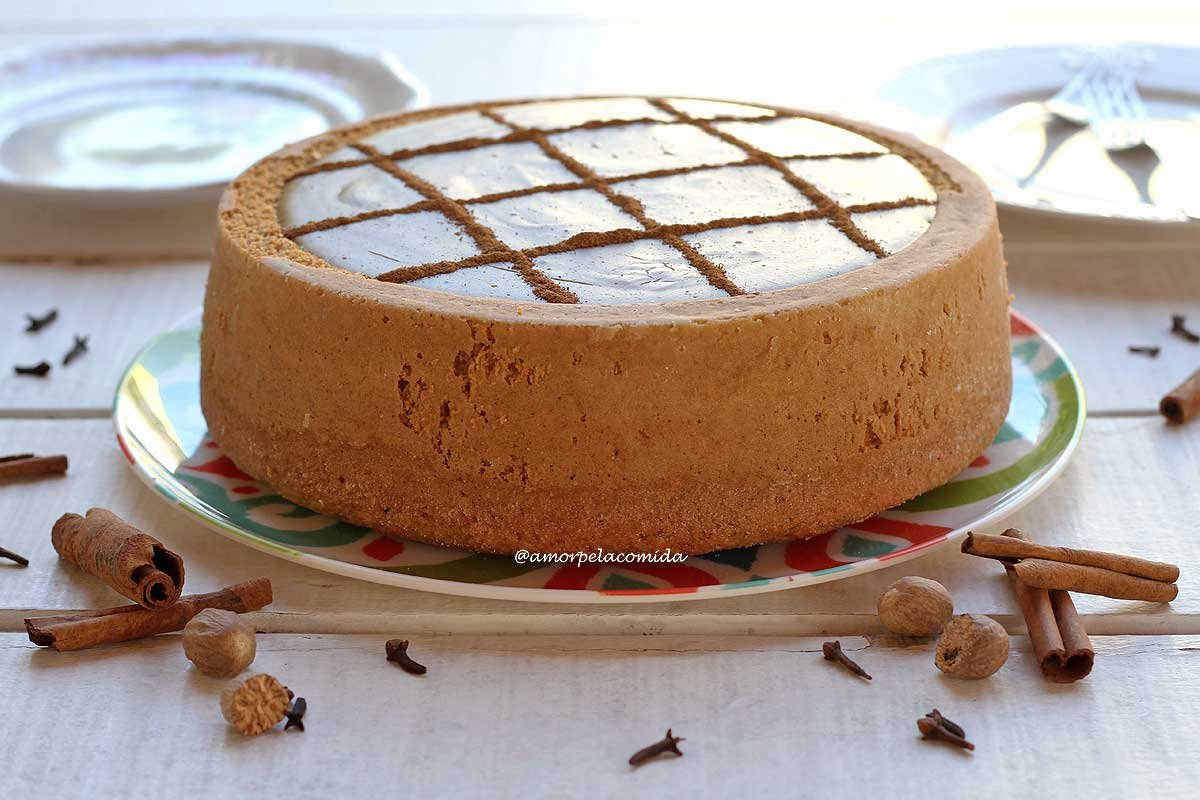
131	562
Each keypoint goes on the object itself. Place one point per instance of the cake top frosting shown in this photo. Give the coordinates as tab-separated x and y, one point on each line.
609	200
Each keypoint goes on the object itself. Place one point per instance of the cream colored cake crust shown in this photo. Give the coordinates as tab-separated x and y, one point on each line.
498	424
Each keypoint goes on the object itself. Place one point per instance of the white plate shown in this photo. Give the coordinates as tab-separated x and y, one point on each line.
985	109
122	148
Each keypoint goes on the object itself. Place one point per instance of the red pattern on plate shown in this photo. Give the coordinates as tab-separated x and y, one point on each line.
812	554
914	532
384	548
1017	326
222	466
680	576
125	449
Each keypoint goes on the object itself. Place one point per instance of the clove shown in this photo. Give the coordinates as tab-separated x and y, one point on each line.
79	348
11	556
295	714
397	652
934	726
37	323
949	725
38	370
1145	350
668	744
1180	329
833	652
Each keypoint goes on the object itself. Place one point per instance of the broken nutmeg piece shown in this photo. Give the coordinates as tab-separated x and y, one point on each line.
971	646
257	704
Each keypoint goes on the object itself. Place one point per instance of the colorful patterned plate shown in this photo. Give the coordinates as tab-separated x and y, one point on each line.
163	434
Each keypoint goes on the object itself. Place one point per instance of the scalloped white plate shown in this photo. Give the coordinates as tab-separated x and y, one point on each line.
120	149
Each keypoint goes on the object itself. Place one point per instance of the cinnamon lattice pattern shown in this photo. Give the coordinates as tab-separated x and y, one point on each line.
494	250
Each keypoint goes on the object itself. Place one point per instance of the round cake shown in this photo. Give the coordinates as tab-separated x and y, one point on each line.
623	323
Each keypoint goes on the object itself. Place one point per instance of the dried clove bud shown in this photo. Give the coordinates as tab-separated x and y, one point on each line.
79	348
949	725
11	556
37	323
295	714
38	370
668	744
1145	350
1179	328
934	726
397	652
833	652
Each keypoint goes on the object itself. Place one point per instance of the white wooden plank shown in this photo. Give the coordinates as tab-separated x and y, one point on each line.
559	716
1098	290
119	307
1127	490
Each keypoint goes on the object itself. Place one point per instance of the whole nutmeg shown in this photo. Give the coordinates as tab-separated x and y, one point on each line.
256	704
915	607
220	643
971	646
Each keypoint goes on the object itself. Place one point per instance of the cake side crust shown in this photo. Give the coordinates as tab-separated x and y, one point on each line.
497	427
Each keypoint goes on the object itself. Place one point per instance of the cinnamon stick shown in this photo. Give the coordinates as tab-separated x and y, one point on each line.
1183	402
1006	547
1044	574
133	563
1060	643
105	626
29	464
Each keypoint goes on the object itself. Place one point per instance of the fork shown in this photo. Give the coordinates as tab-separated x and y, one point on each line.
1116	113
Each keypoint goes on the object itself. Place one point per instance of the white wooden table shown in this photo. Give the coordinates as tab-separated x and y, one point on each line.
534	700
